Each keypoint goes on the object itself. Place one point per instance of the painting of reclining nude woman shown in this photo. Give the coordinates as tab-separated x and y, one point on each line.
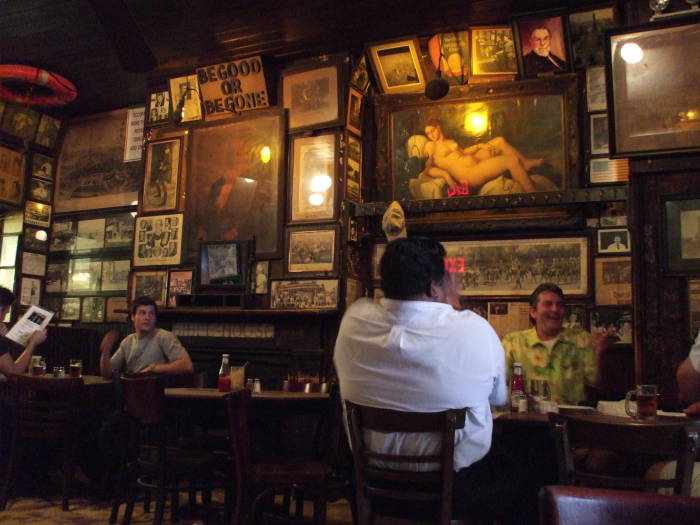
493	147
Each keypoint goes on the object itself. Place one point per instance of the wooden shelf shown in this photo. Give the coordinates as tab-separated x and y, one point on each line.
180	311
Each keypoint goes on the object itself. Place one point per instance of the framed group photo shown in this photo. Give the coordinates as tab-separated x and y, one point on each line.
317	294
397	66
312	95
312	250
158	240
158	111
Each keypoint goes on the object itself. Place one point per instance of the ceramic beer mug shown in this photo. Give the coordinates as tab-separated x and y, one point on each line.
646	402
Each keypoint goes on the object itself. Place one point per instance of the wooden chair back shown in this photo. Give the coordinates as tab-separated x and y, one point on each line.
671	438
144	398
414	493
565	505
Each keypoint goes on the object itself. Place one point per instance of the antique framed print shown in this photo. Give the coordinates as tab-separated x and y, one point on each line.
63	235
153	284
37	213
541	44
34	263
158	111
235	182
493	51
161	184
449	52
43	166
47	133
613	281
682	235
360	74
312	250
606	171
158	240
112	315
316	294
29	291
652	93
119	230
91	234
599	133
84	275
70	309
224	264
11	176
354	118
353	169
694	306
518	137
397	66
260	277
93	310
91	171
35	239
57	277
40	190
616	321
614	240
115	275
20	121
595	89
312	95
179	283
514	267
185	98
587	35
313	178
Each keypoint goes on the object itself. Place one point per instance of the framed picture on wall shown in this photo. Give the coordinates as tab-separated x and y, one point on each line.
397	66
316	294
70	309
682	235
115	275
161	184
158	111
541	42
37	213
312	95
119	230
63	235
377	253
353	169
29	291
595	89
449	52
179	283
57	277
84	275
312	190
360	74
260	277
616	321
493	51
112	305
158	240
615	240
48	131
20	121
185	98
12	176
606	171
91	234
613	281
34	263
312	250
43	166
599	133
93	310
587	34
40	190
354	118
35	239
224	264
694	306
153	284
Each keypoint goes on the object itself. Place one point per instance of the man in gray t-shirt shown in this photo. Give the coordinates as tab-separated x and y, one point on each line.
149	349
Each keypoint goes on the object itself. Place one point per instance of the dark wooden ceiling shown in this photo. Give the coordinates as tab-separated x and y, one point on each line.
68	38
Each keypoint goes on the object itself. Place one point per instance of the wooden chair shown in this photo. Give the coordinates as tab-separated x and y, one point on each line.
408	494
571	505
43	408
669	438
255	482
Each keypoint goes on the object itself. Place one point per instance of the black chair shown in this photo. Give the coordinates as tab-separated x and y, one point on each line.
43	409
423	493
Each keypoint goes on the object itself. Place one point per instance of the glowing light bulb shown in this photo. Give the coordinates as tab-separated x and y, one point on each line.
631	53
40	235
320	183
316	199
476	122
265	154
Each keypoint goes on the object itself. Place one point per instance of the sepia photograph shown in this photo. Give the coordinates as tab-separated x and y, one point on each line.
184	95
20	121
57	277
84	275
40	190
43	166
34	263
37	214
70	309
493	51
11	176
354	118
179	283
311	250
119	230
353	169
260	277
162	180
312	96
615	321
30	291
360	74
63	234
153	284
613	281
614	240
47	133
115	275
158	240
35	239
112	305
91	234
304	295
93	310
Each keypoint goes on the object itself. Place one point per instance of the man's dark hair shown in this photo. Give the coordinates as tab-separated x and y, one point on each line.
6	297
544	287
143	301
409	265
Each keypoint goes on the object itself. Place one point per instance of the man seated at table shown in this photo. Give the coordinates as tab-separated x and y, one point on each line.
413	351
567	358
149	349
7	364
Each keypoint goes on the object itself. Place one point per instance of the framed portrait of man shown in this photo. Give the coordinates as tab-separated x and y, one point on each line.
541	43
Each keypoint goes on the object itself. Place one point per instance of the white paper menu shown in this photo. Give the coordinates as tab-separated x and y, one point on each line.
35	318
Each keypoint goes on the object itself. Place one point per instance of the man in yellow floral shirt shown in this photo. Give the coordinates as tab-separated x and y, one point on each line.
565	357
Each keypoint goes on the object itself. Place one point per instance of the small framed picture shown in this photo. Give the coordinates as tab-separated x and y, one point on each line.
615	240
595	89
57	277
354	117
682	235
616	321
12	165
153	284
35	239
37	213
694	306
116	310
541	43
43	166
613	214
449	52
185	98
587	33
161	185
158	240
91	234
260	277
93	310
158	108
599	133
119	230
40	190
20	121
84	275
312	250
613	281
317	294
493	51
313	175
312	96
47	133
179	283
353	169
360	74
63	235
397	66
606	171
224	264
8	252
34	263
30	291
70	309
115	275
353	291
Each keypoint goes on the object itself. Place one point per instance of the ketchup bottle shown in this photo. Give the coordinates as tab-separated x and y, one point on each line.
517	387
224	375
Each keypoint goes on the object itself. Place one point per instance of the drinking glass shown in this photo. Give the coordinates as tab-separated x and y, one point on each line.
76	367
646	401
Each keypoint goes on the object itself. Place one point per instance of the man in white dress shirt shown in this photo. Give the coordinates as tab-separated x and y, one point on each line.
414	352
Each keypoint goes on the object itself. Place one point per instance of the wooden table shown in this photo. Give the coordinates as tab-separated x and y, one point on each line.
265	395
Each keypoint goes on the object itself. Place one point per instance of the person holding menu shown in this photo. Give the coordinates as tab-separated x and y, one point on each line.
7	364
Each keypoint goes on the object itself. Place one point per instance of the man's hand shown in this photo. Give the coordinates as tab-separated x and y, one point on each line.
147	369
38	337
108	342
693	411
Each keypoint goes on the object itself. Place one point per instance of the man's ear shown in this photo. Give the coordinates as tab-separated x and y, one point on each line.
435	290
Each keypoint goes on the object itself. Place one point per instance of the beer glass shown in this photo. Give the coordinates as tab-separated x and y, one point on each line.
76	367
646	402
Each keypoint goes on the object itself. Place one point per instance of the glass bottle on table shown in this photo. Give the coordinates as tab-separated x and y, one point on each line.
224	382
517	388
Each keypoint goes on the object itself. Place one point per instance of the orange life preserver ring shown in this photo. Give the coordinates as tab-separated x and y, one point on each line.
63	90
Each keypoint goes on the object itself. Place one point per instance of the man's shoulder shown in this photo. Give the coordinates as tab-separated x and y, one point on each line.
519	335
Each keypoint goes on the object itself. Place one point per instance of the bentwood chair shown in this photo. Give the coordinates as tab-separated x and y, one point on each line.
422	493
574	505
664	438
42	409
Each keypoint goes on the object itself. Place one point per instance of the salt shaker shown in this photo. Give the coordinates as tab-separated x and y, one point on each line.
257	387
249	384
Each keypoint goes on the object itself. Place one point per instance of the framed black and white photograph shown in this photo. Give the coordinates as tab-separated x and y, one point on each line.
153	284
43	166
37	213
35	239
180	282
161	185
63	235
493	51
115	310
587	33
354	117
260	277
682	235
595	89
47	133
615	321
119	230
158	111
20	121
224	264
57	277
360	74
93	310
29	291
613	281
353	169
115	275
615	240
84	275
34	263
397	66
70	309
599	134
158	240
316	294
541	44
91	234
311	250
313	175
185	97
40	190
312	95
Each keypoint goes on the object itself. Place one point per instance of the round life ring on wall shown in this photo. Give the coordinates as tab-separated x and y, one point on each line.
44	88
